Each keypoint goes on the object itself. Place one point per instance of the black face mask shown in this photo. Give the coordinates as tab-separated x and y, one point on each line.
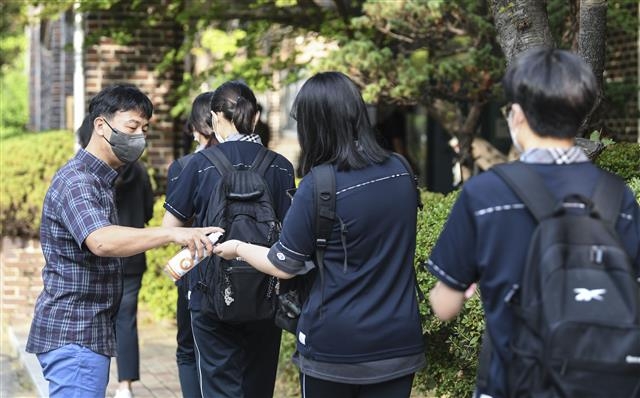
127	147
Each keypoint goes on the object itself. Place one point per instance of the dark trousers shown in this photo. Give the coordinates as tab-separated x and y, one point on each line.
128	354
317	388
185	353
236	361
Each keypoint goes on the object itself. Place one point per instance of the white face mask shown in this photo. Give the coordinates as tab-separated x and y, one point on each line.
513	133
214	123
219	138
516	144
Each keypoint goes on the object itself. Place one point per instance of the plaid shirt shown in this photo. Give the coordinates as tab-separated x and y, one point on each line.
569	155
81	291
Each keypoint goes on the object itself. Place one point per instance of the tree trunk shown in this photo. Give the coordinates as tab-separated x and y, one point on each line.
462	127
521	25
591	47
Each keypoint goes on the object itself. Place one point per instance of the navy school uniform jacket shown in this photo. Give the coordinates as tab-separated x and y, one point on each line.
367	308
487	236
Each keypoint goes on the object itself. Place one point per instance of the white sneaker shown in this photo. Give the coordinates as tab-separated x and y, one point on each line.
123	393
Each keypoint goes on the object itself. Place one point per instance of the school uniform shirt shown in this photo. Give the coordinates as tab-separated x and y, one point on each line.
81	291
193	187
487	236
362	324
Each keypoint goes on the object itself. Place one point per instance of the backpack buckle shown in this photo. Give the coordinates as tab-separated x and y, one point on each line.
321	243
596	254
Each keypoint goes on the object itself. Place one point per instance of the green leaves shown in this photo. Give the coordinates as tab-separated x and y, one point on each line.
28	162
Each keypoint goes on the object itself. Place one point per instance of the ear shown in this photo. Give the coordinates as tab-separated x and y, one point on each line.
517	115
255	120
214	119
99	125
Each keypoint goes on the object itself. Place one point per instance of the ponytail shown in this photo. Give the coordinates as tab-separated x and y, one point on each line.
237	103
244	115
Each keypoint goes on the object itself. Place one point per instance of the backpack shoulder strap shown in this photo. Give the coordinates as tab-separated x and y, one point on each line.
529	187
263	160
324	181
218	160
405	163
608	196
407	166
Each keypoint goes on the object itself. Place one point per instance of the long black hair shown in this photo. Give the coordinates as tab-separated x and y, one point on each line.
237	103
333	124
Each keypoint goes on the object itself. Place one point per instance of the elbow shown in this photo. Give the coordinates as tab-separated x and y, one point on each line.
445	302
284	275
443	314
99	249
98	246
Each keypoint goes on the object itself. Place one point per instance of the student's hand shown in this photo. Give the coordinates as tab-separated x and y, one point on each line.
196	240
228	249
471	290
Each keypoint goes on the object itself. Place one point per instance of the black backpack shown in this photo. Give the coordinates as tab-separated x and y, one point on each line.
241	203
577	309
296	291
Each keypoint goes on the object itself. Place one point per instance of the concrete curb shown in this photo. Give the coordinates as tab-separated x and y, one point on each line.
29	362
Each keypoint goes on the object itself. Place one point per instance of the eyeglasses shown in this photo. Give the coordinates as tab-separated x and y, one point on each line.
506	110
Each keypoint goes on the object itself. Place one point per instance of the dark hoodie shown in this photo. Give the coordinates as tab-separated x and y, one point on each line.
134	202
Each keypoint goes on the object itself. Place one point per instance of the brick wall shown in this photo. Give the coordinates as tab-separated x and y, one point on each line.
107	62
21	263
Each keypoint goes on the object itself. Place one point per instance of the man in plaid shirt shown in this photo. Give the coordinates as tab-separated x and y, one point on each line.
72	331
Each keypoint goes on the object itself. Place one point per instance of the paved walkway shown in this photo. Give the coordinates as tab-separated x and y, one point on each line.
158	369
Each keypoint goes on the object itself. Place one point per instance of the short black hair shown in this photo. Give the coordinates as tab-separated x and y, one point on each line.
85	131
333	124
120	98
237	103
555	88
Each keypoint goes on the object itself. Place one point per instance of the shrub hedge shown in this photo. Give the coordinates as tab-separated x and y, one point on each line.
622	158
28	162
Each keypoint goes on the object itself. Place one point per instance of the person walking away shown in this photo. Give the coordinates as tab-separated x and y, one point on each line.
487	235
72	331
234	360
359	333
200	127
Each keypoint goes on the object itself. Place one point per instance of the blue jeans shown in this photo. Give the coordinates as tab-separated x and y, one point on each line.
74	371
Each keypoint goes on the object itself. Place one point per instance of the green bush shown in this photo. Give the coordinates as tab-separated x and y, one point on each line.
622	158
634	183
13	89
28	162
452	347
158	292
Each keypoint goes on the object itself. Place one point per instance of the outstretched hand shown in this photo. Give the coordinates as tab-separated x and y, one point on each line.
196	240
228	249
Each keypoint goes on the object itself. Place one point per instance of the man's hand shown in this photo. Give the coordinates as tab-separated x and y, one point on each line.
196	240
